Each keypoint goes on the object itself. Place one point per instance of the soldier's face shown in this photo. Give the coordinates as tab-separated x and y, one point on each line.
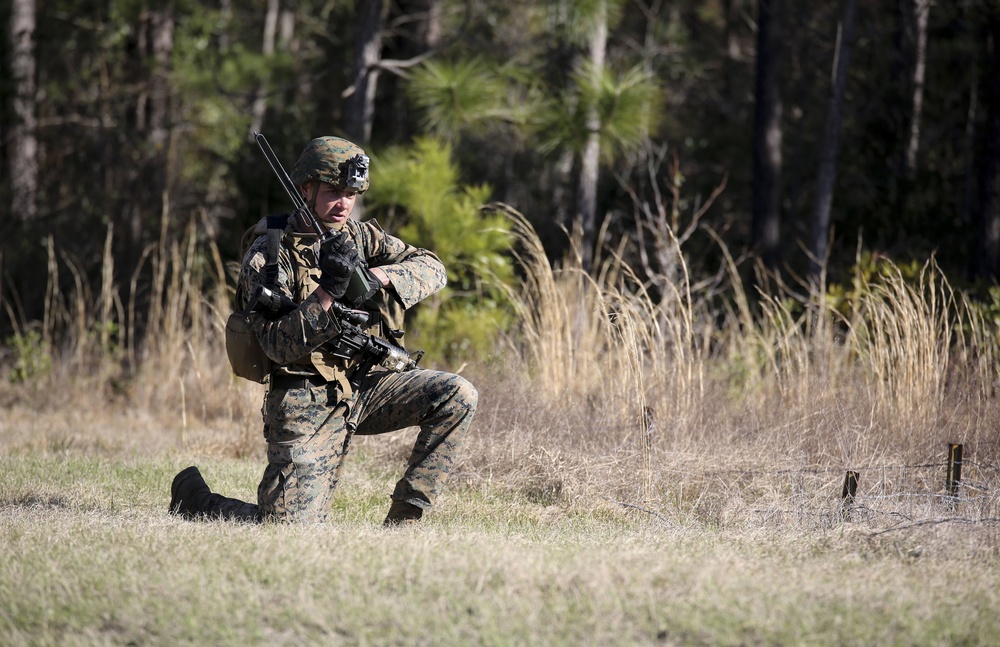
333	206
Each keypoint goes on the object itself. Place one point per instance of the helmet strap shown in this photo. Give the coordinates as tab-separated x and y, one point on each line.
311	202
313	192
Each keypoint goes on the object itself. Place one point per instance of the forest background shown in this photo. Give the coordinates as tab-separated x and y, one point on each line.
821	129
707	260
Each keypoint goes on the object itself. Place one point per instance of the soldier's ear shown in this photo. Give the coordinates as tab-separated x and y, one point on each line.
306	189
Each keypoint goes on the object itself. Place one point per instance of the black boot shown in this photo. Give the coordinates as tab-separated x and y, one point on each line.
402	513
188	493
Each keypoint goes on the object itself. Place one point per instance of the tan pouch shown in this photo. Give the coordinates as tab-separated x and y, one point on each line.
246	357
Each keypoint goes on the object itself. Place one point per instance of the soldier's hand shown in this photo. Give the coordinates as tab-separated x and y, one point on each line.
337	261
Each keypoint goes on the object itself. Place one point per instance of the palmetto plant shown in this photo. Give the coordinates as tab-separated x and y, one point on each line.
420	192
564	104
628	103
462	96
470	96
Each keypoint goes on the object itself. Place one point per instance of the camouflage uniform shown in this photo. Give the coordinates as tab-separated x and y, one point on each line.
311	408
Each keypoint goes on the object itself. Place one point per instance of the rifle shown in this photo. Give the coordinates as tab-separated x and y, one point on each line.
352	341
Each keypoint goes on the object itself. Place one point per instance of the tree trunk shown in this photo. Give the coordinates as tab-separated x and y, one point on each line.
921	11
987	212
267	49
155	43
225	19
767	135
428	29
367	56
420	31
23	156
287	42
830	147
732	69
161	22
733	9
586	188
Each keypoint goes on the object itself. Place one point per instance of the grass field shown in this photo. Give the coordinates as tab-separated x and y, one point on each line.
92	558
637	473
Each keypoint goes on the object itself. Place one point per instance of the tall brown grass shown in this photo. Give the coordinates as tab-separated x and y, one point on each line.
140	361
711	401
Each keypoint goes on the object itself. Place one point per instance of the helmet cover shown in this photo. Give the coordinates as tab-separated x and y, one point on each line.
335	161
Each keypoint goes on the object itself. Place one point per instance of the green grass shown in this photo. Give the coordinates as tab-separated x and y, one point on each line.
91	558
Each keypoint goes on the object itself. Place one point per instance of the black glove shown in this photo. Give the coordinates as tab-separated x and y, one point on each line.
337	260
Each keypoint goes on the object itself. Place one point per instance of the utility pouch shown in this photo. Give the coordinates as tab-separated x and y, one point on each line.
246	357
362	286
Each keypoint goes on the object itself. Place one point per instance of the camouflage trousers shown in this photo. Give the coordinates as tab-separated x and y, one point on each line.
308	433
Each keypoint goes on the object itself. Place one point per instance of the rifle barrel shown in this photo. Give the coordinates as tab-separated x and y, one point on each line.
286	182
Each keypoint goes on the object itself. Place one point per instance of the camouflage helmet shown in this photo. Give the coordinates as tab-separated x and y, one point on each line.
335	161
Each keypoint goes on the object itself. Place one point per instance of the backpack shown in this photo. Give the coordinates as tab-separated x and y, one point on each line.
246	356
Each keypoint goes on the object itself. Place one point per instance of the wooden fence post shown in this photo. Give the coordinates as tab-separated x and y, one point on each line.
848	493
954	477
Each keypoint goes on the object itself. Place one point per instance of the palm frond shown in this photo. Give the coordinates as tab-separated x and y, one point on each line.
455	97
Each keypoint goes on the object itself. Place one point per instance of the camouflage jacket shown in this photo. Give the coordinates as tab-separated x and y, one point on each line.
294	342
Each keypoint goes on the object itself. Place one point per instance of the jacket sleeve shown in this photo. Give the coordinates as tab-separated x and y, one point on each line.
415	273
296	333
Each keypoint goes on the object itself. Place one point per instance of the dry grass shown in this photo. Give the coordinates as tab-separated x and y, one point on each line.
92	559
618	427
601	393
660	406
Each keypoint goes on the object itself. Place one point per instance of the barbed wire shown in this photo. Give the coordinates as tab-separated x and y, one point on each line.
863	504
826	470
909	521
927	522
